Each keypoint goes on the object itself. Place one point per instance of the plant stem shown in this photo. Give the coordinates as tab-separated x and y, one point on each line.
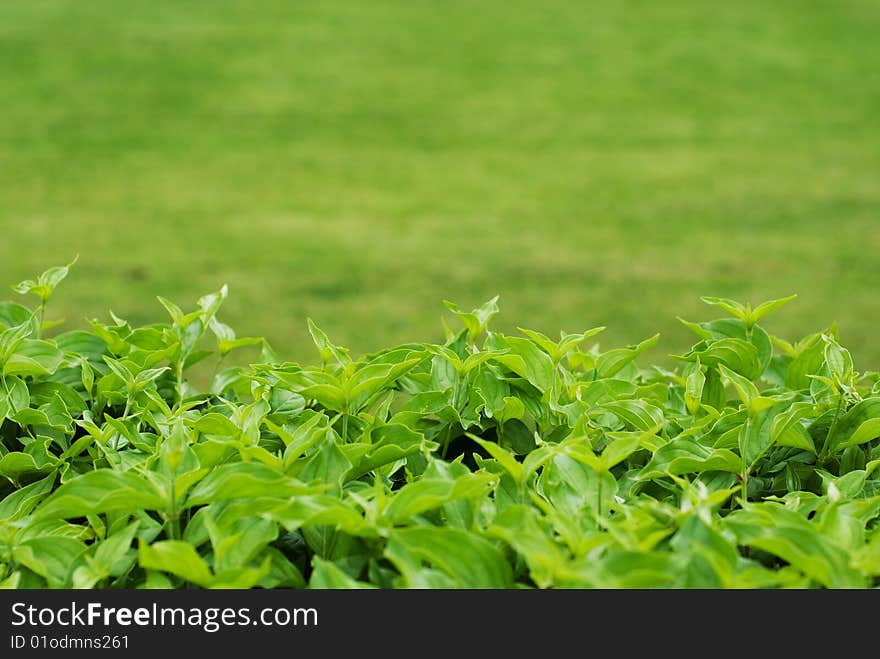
456	388
445	448
42	314
744	475
179	386
173	521
832	430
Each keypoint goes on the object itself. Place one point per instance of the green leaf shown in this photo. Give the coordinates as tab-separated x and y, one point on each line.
226	339
713	391
322	510
101	491
787	431
242	480
176	313
374	379
282	572
16	465
325	347
51	557
783	533
766	307
14	396
543	341
868	431
637	413
429	493
694	384
12	314
329	464
52	395
683	456
390	443
313	429
178	558
34	357
520	527
748	392
492	389
173	448
567	342
756	435
730	306
697	328
45	284
523	358
22	501
13	337
737	355
860	414
838	361
329	393
113	549
808	360
475	321
612	362
227	346
110	557
210	303
621	446
466	559
239	543
511	465
216	424
12	582
327	575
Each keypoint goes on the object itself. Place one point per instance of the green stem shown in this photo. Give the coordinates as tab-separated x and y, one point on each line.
173	521
179	386
456	389
42	314
827	444
445	448
8	394
744	475
554	394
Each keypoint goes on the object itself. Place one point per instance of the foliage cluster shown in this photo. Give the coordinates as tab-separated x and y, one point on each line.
484	461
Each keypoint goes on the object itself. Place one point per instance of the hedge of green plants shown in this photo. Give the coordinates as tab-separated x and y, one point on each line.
485	461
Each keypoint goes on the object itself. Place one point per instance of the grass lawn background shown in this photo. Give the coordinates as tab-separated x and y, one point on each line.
359	162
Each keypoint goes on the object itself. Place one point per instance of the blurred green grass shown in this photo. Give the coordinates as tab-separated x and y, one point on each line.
359	162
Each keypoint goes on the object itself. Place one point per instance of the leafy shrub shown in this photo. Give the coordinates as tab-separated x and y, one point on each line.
488	461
